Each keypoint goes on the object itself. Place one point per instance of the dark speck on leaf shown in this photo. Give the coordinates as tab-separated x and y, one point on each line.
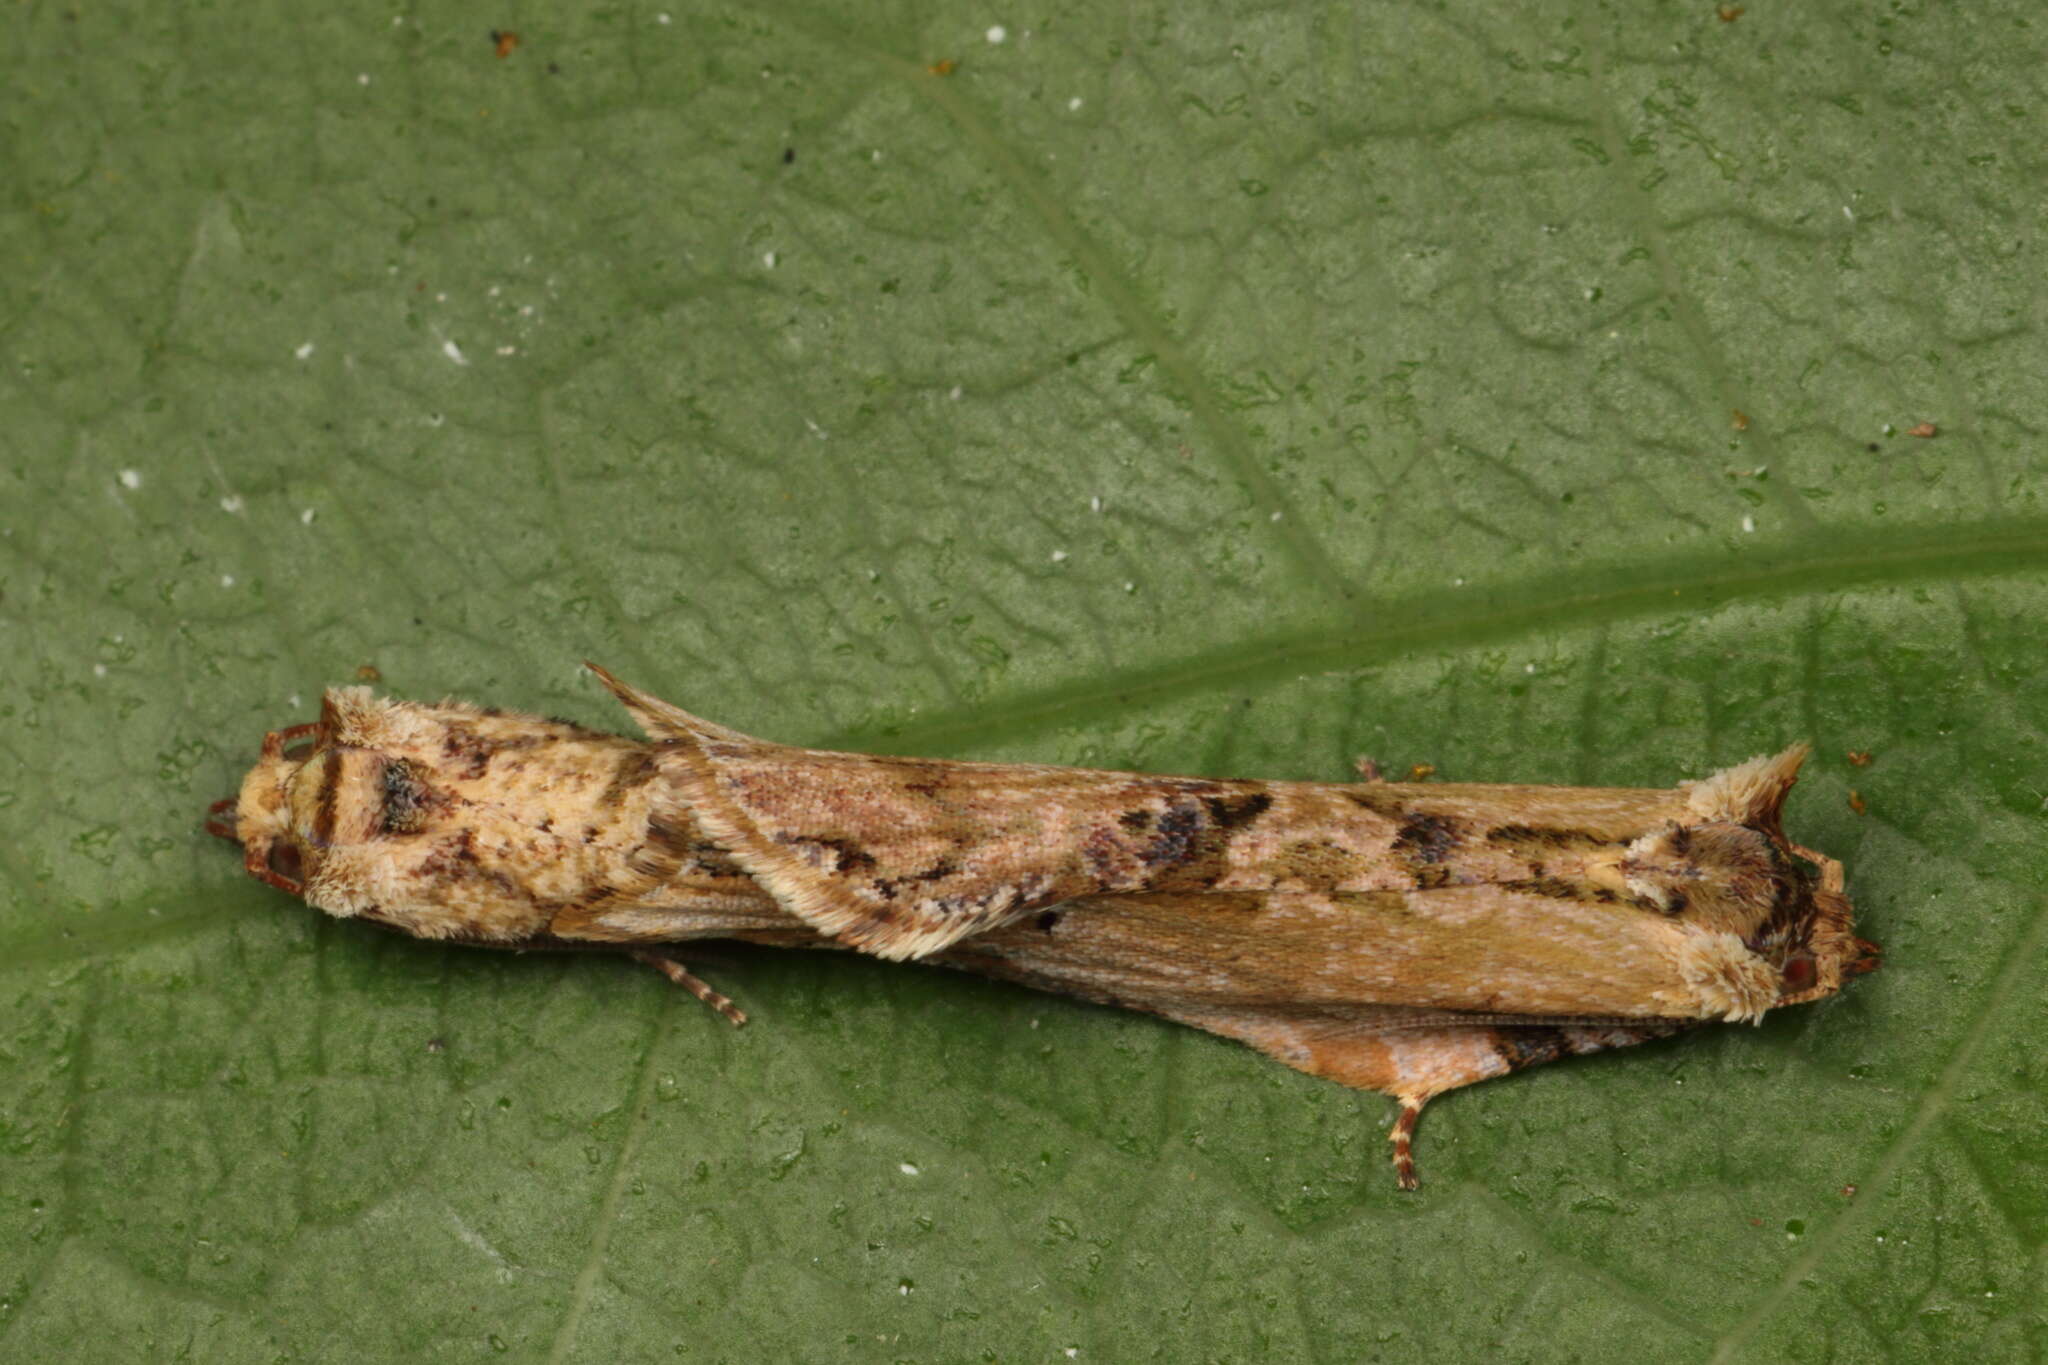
788	156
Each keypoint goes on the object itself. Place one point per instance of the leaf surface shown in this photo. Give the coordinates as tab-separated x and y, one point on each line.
1216	389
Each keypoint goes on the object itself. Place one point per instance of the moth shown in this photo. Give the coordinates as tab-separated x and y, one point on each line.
1408	938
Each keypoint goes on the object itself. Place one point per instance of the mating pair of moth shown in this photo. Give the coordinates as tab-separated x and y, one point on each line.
1408	938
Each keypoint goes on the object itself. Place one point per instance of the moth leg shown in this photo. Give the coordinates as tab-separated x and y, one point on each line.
256	858
1369	770
1403	1136
678	973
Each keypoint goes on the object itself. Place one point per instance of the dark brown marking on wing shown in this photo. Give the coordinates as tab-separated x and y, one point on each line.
1176	837
1424	844
469	748
1530	840
1233	812
636	768
663	850
406	798
475	752
1563	889
324	809
1526	1045
454	860
713	860
889	887
1425	838
845	855
1189	849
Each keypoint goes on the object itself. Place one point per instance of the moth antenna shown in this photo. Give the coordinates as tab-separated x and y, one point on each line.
678	973
219	828
274	742
1831	878
1404	1141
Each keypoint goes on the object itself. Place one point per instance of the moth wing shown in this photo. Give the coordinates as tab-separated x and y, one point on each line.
902	857
1414	1055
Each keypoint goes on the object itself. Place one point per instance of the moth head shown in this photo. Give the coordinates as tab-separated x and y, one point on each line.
1775	924
316	793
262	821
1820	950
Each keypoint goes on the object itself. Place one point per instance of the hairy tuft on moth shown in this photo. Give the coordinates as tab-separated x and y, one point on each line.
1408	938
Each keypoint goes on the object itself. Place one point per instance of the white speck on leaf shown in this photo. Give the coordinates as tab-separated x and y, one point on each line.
474	1240
232	503
1059	556
99	670
955	393
1074	105
996	33
227	580
1095	504
768	259
362	78
1749	523
131	478
304	351
306	517
907	1169
454	353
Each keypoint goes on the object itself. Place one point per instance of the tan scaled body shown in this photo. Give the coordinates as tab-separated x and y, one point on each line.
1407	938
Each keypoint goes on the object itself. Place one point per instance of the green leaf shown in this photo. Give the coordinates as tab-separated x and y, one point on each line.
1201	389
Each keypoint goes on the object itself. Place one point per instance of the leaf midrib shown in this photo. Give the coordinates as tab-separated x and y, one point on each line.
1483	614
